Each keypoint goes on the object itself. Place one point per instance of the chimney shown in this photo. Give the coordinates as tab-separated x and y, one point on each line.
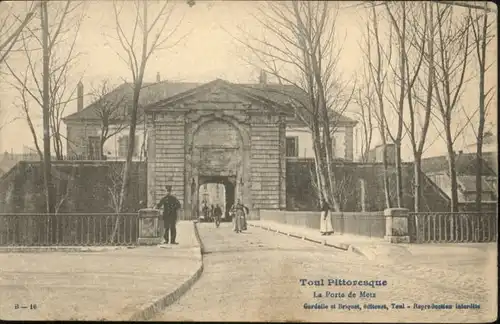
263	77
79	93
158	77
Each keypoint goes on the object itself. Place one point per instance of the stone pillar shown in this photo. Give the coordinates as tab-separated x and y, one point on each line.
396	225
149	230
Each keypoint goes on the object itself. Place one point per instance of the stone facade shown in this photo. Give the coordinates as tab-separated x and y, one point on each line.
216	132
77	137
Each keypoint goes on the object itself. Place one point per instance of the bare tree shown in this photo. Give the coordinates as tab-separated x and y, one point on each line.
452	46
109	109
66	182
148	35
302	55
115	176
23	103
378	76
365	103
5	119
406	20
47	88
11	27
398	17
482	36
421	46
345	190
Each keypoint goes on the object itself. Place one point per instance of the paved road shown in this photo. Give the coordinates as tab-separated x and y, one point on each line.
255	276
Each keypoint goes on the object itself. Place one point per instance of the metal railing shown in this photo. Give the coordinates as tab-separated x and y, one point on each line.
459	227
68	229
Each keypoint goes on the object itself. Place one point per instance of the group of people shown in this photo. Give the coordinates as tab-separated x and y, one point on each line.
171	205
212	213
238	212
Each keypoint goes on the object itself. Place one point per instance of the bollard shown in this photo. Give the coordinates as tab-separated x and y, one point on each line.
149	233
396	225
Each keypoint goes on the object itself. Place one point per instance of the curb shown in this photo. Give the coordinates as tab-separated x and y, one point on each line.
37	249
162	303
340	246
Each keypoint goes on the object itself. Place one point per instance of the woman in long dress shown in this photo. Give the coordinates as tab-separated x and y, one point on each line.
326	227
244	219
238	216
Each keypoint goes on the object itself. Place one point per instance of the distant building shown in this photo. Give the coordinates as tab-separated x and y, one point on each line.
84	126
489	150
436	168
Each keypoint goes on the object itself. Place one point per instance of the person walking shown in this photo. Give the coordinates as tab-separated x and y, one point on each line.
326	227
212	217
170	206
238	210
217	215
204	212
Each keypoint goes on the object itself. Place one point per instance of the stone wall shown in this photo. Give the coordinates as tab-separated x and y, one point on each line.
369	224
169	159
81	187
360	187
265	163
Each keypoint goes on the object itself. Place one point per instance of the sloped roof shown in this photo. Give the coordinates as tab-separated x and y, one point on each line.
468	183
465	164
286	95
152	93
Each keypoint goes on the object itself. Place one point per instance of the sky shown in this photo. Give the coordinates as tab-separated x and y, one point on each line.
208	51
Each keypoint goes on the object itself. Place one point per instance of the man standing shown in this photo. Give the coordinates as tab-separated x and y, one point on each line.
170	206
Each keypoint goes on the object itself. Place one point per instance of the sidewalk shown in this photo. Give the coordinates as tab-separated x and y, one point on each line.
376	249
114	284
370	248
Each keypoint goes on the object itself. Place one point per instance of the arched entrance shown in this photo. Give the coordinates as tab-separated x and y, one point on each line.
218	153
217	190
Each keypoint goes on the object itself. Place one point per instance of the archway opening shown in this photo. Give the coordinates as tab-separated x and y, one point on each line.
213	191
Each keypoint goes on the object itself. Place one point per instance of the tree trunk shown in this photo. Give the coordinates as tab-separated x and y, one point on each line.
385	174
482	110
417	174
399	176
452	171
479	171
317	159
329	171
322	193
49	192
102	140
127	170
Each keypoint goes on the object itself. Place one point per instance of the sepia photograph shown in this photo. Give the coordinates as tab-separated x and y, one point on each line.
256	161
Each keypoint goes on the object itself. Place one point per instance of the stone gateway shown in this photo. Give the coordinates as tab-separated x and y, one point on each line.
235	141
217	133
